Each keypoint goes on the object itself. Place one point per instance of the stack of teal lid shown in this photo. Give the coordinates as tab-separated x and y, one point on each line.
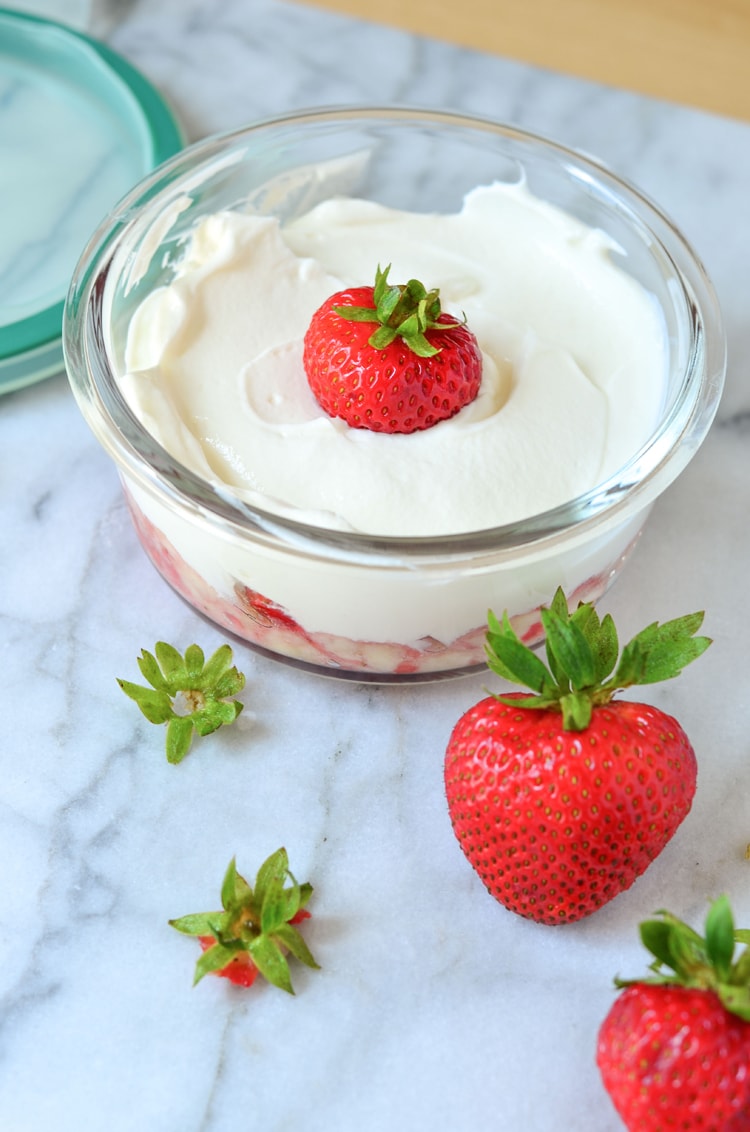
79	126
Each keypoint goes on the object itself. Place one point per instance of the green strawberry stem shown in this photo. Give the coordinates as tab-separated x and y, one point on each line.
255	920
704	962
583	670
189	694
402	311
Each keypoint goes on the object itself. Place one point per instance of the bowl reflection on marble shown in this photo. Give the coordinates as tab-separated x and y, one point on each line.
345	602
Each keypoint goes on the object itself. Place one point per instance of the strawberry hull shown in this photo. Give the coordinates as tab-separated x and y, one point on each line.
238	605
241	971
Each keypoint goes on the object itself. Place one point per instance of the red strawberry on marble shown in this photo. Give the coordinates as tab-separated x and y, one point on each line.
256	928
418	367
562	797
674	1049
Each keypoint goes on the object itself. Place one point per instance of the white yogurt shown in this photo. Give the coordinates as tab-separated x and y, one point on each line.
574	361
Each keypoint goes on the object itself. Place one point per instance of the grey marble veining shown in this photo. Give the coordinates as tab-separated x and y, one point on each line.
434	1008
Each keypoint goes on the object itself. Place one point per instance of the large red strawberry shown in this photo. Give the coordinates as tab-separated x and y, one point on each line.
256	927
418	367
674	1049
562	797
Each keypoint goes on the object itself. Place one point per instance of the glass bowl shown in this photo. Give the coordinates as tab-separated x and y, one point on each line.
361	606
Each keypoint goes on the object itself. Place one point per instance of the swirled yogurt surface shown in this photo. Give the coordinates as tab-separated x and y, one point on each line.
573	363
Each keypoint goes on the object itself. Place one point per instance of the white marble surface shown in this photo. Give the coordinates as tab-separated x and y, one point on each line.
435	1008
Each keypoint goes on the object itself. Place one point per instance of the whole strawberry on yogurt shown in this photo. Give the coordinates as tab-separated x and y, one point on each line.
561	797
417	367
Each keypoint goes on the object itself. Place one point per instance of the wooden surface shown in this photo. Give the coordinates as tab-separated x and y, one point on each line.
696	52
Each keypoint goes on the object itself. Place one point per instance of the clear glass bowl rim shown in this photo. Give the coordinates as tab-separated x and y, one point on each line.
630	490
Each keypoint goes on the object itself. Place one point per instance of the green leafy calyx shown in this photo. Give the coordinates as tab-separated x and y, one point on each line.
684	958
188	693
401	311
584	665
255	920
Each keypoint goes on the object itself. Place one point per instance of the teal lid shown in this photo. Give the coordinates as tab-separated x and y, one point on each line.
79	126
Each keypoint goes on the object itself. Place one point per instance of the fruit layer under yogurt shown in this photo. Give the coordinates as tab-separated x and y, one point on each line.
573	354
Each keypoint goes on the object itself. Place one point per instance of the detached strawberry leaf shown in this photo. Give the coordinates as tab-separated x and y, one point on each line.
213	715
171	663
270	961
234	888
279	906
229	684
255	924
155	705
149	667
179	738
214	959
273	870
216	667
199	923
291	939
194	662
189	694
